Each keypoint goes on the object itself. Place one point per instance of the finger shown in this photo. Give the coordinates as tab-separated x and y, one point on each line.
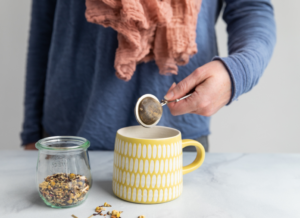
187	84
198	102
206	106
172	86
184	106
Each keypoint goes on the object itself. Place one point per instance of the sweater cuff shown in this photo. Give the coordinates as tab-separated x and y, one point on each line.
30	138
234	77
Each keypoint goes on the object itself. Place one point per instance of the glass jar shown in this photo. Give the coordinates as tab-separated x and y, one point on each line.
63	171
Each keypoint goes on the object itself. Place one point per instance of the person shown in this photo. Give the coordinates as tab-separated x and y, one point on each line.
71	87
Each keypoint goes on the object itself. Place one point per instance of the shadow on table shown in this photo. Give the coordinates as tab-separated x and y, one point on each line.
104	186
36	200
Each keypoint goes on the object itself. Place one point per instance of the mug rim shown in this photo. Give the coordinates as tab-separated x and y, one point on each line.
141	138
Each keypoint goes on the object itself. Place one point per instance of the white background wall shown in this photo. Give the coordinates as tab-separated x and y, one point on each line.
267	119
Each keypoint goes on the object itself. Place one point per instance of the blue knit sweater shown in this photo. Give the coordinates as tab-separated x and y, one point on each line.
71	87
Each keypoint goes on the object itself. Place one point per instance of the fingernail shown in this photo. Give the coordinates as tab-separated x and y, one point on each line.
169	95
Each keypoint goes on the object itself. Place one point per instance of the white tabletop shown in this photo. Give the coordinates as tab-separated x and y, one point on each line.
226	185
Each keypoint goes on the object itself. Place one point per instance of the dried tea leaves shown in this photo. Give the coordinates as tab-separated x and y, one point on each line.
113	213
63	189
106	205
150	111
100	209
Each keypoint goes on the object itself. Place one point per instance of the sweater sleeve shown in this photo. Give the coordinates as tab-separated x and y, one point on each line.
251	40
42	15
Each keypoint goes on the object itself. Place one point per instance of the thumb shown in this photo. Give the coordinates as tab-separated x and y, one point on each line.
172	87
189	83
181	89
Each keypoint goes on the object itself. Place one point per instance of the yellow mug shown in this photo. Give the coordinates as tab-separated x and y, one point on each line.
148	164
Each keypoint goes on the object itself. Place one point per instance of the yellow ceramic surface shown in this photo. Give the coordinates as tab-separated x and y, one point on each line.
148	164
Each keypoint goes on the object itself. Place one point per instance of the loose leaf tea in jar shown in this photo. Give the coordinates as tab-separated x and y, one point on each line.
63	171
63	189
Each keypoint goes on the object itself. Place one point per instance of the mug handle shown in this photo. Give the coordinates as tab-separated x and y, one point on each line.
199	158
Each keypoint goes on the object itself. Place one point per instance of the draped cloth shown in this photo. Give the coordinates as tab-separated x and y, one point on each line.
163	30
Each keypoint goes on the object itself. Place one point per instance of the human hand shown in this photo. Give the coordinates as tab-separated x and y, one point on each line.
30	146
212	92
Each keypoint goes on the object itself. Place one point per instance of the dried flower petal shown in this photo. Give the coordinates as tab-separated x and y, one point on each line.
107	205
114	212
